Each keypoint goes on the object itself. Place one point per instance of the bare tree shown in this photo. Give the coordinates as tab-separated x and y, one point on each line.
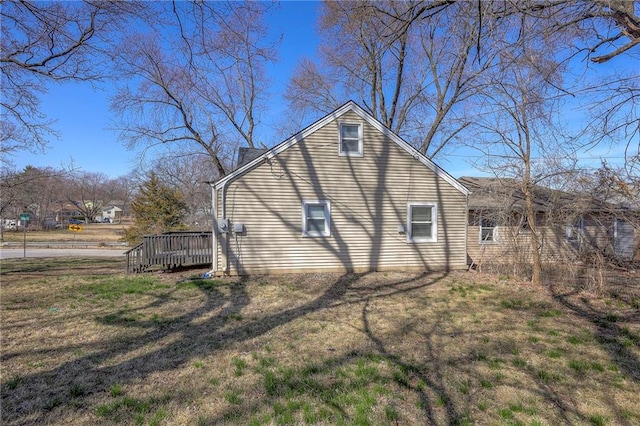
89	192
607	28
200	87
122	190
186	175
43	43
598	32
516	121
412	64
33	190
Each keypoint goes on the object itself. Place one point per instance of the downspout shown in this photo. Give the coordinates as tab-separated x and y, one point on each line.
466	232
215	233
224	247
214	230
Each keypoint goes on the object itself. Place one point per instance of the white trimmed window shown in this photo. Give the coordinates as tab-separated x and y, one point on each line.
316	218
488	230
422	222
573	231
350	140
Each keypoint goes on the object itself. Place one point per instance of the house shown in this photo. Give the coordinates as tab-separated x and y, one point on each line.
344	194
66	211
112	213
568	225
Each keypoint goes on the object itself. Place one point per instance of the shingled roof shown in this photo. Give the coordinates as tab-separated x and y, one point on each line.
503	193
247	155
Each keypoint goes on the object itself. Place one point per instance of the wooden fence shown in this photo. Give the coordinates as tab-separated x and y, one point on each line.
170	250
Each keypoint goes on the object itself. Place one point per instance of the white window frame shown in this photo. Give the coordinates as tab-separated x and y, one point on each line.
360	152
434	222
327	218
494	232
574	232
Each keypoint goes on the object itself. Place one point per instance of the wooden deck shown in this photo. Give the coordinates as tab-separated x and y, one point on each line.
170	250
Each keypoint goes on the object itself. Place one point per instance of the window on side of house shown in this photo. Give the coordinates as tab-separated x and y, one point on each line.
422	222
350	140
316	218
488	230
573	231
523	220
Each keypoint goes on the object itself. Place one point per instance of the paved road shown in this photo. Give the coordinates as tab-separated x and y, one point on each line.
11	253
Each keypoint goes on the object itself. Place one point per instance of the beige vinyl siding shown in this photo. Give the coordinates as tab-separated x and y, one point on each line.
368	196
599	231
514	244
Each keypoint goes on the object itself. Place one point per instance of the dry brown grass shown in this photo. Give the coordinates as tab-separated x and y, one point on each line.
93	232
84	344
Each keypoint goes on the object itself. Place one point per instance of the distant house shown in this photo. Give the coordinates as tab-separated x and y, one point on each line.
344	194
569	225
113	213
66	211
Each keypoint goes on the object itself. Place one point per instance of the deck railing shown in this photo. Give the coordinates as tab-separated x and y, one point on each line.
170	250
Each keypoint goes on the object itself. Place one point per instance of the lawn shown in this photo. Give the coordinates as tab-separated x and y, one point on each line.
83	343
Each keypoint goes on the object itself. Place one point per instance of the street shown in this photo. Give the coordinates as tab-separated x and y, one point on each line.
12	253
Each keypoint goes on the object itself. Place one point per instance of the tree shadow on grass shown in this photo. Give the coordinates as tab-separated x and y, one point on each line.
616	340
31	398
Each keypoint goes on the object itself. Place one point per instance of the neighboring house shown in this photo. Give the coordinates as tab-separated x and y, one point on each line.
113	213
569	225
344	194
66	212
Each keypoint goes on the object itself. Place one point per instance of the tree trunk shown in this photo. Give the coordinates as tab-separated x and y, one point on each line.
536	273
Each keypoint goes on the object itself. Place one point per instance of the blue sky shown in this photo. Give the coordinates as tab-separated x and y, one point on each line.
83	117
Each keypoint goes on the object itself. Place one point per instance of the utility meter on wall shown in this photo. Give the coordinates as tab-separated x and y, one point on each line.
223	225
238	228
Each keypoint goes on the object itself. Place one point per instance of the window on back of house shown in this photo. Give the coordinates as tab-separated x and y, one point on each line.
316	218
488	230
573	231
421	220
350	140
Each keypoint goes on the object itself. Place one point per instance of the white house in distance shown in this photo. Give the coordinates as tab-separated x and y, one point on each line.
112	213
344	194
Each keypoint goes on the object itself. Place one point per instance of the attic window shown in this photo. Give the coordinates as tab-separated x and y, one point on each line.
350	140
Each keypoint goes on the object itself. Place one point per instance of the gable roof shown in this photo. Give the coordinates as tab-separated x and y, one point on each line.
246	155
505	193
348	107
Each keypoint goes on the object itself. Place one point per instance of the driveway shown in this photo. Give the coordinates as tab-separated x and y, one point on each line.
12	253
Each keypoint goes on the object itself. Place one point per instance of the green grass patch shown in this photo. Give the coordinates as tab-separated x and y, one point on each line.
598	420
111	408
551	313
12	383
579	339
555	353
516	304
116	390
348	398
239	366
579	365
113	288
233	397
